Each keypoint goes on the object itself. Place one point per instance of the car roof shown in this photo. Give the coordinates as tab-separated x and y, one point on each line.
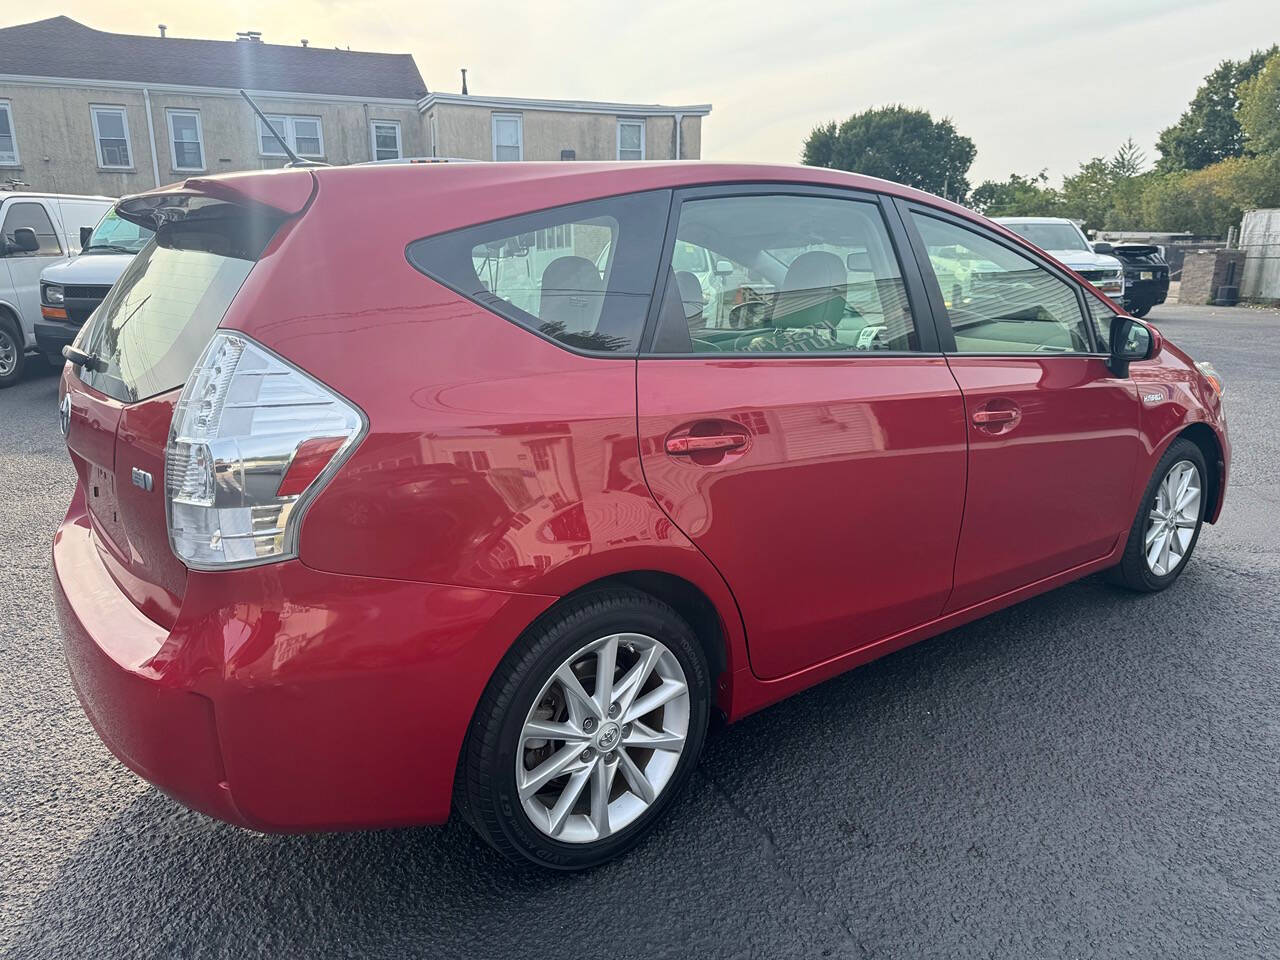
38	195
286	189
1034	220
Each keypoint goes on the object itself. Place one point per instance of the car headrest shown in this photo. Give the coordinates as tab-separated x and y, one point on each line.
813	291
572	294
690	294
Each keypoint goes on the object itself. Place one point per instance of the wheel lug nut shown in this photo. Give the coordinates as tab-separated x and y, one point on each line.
586	755
588	724
611	756
626	729
613	710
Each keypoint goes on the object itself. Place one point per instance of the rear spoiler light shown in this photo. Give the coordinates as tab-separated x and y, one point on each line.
279	193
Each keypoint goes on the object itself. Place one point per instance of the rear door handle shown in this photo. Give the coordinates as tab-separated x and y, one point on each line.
721	441
985	417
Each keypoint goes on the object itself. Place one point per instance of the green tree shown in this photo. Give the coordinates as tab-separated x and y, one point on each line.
1128	161
1209	130
896	143
1086	195
1211	201
1017	197
1259	110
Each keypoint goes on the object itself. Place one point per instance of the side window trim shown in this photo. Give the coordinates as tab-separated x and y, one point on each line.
922	316
946	335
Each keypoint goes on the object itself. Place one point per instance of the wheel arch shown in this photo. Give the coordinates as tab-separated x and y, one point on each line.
1204	437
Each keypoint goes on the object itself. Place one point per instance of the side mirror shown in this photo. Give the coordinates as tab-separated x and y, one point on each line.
86	234
1130	341
25	239
1102	247
723	268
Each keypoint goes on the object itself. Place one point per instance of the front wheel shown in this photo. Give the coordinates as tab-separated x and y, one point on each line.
12	354
589	728
1165	531
1140	311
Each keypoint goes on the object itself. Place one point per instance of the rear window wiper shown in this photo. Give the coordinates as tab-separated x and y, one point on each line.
81	358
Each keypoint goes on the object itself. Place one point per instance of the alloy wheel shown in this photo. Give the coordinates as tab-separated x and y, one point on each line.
603	738
1172	520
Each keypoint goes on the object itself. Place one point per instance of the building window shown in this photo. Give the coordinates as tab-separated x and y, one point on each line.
186	139
508	136
111	131
8	139
303	134
630	139
386	139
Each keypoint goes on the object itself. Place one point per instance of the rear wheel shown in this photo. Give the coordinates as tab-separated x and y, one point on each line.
12	352
1165	531
588	730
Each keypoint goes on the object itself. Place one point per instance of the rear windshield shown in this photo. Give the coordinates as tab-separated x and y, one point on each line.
158	317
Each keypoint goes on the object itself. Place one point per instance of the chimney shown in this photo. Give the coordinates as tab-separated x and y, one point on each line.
305	42
163	28
464	81
249	36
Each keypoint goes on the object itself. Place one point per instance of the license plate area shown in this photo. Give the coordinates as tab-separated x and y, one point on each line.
1145	275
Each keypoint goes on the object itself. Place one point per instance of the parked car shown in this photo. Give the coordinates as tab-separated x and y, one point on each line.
72	289
1063	239
1146	274
362	535
36	231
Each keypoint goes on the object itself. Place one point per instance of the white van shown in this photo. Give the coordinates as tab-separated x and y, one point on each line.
37	230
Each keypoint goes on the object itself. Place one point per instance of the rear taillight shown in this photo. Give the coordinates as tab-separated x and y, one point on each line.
253	439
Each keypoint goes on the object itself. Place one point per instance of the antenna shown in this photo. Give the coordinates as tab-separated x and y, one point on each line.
294	159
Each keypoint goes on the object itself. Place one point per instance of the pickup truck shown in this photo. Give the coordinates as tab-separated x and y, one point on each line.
37	230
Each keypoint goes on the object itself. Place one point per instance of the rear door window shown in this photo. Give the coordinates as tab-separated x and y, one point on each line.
581	275
786	274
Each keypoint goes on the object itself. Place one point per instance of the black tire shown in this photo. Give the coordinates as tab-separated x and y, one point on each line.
11	344
1140	311
1133	571
486	792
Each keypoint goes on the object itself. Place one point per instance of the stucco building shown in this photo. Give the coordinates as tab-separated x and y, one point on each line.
85	111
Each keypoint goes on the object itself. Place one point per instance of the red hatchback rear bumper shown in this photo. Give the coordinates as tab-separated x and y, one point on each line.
343	706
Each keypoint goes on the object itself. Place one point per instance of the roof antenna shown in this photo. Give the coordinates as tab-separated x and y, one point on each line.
163	28
464	81
294	159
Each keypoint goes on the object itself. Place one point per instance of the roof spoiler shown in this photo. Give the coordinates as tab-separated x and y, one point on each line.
282	193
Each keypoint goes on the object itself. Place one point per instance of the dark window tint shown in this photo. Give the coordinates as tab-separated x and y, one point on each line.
999	301
33	215
581	274
783	274
160	314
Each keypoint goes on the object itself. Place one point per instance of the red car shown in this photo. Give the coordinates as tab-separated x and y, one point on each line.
409	489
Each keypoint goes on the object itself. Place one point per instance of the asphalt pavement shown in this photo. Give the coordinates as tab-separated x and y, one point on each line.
1089	774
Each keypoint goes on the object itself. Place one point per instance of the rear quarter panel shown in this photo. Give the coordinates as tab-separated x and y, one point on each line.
494	459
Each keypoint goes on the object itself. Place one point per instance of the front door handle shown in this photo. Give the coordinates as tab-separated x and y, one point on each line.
722	441
985	417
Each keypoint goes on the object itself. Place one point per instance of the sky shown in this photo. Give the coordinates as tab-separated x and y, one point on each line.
1036	85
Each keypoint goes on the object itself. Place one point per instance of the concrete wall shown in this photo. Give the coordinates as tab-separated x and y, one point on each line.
467	132
1260	240
56	148
1210	277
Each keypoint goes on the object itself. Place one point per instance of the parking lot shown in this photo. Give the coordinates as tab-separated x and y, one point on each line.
1089	774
